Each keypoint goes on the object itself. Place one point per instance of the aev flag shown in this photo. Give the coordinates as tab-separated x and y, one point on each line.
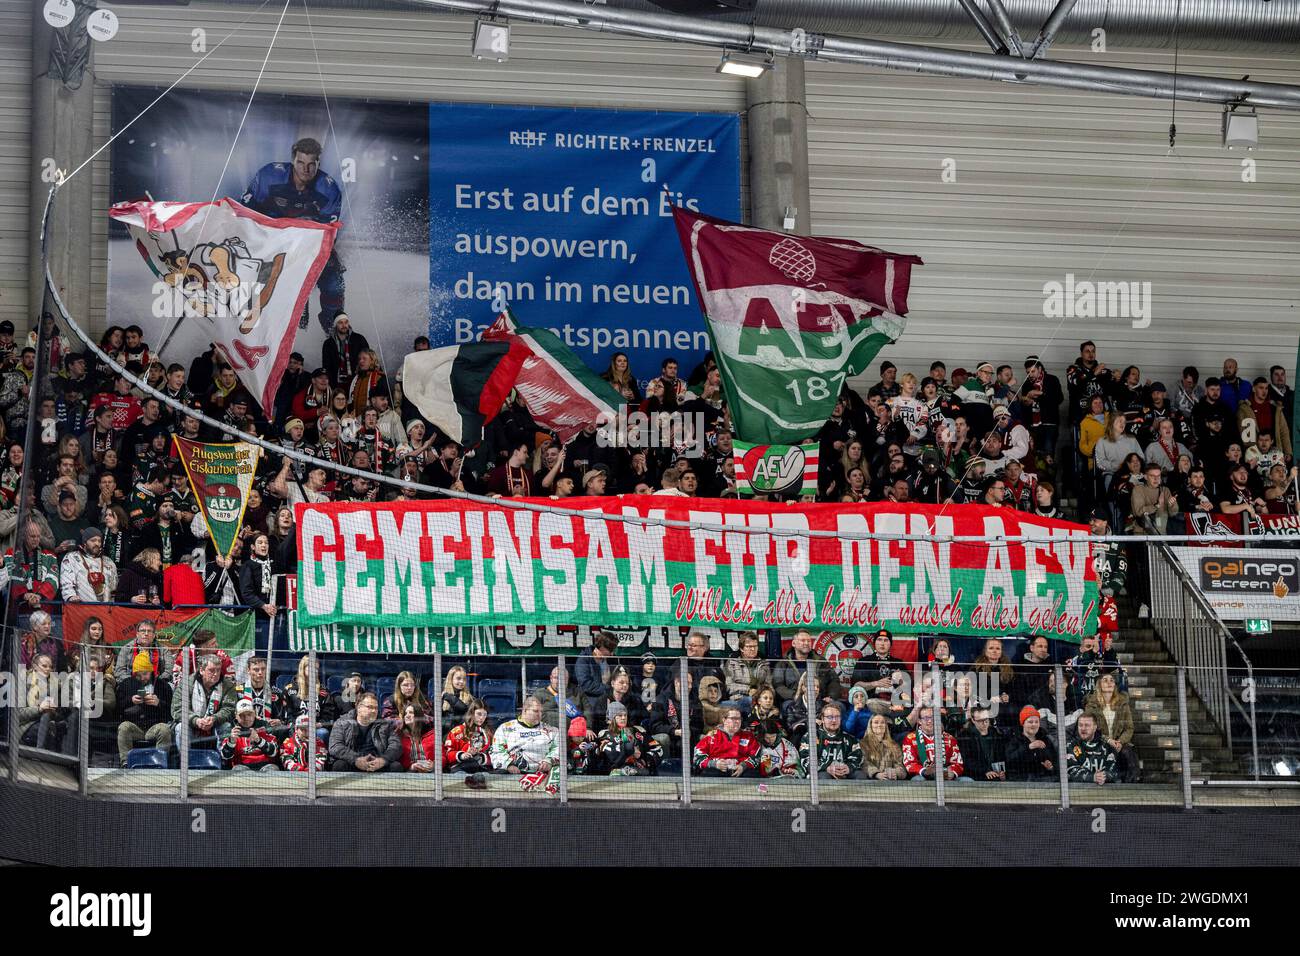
245	276
791	318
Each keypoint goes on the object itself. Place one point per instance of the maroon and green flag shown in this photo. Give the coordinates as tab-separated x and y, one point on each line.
221	476
791	318
728	564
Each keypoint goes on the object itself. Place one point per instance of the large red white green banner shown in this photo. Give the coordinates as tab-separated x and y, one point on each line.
732	564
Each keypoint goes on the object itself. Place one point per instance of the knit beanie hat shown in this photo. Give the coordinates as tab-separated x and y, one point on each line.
1026	712
141	663
578	727
615	709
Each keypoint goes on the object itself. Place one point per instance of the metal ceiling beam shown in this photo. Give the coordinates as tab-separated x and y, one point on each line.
879	53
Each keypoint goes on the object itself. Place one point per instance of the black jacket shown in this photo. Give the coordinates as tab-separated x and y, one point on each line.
143	715
251	592
1026	764
980	751
330	356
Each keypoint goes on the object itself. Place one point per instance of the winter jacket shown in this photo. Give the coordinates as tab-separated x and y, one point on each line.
249	748
831	748
268	701
980	751
144	716
616	749
716	746
592	676
786	674
1026	764
348	741
870	668
666	715
1084	758
856	721
455	749
294	751
918	753
515	743
740	675
328	709
889	758
427	749
161	660
220	704
1121	728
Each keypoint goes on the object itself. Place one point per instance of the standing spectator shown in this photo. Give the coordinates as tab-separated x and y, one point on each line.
1090	758
341	354
983	747
877	670
1166	449
360	741
1030	752
882	758
68	522
245	746
144	703
140	582
919	750
86	575
1152	499
1234	390
838	755
368	381
257	584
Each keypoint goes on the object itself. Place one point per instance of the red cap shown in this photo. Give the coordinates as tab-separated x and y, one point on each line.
1026	712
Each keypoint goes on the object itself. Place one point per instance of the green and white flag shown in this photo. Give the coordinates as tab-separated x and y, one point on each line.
221	476
791	318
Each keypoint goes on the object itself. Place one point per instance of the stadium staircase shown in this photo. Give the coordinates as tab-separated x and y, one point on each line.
1153	695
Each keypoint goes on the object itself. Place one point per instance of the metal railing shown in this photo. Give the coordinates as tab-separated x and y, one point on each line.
1198	640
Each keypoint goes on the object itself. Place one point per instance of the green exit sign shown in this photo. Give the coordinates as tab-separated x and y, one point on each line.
1259	625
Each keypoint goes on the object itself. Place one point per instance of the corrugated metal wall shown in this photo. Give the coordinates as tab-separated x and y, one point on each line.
15	157
1050	182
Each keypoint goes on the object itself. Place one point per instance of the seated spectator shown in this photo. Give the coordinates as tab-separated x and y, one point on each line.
592	672
144	704
146	636
919	751
248	747
297	747
859	714
620	691
202	643
268	702
625	749
528	748
297	696
763	707
777	756
668	717
795	713
42	723
1089	758
711	703
983	747
789	671
360	741
456	697
728	751
877	671
1000	675
1031	752
744	673
419	743
41	640
406	690
838	755
468	745
1110	711
882	759
1086	667
212	702
647	683
550	696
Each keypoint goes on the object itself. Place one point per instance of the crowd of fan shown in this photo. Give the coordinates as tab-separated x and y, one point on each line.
743	716
111	516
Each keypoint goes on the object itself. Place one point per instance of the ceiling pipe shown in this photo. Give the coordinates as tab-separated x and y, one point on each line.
984	28
1052	27
1007	27
879	53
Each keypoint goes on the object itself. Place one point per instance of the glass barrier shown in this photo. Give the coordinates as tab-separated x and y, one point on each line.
118	714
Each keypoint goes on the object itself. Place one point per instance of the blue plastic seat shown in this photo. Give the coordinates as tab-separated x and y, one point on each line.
205	760
146	758
282	681
491	687
334	683
384	687
433	689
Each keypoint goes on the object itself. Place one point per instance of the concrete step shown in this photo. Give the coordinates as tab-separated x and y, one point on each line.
1148	658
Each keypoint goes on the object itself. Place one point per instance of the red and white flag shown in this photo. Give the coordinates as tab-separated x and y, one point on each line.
244	276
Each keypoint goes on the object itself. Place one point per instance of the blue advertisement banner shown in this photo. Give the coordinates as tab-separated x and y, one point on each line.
565	216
